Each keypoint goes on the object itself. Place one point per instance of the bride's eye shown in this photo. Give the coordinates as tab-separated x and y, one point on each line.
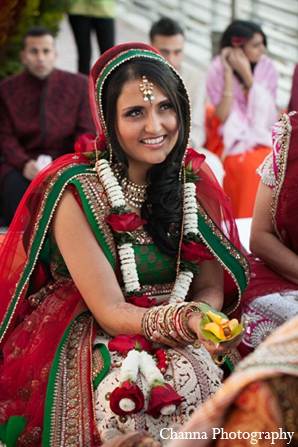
133	112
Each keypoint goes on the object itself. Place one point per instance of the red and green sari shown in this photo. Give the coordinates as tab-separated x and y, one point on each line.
51	365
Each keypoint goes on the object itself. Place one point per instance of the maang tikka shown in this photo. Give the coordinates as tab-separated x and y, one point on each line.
146	88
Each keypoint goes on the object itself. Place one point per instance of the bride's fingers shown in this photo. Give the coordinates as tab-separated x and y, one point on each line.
174	340
225	347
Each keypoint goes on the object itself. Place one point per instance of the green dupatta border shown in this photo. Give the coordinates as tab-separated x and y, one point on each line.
231	259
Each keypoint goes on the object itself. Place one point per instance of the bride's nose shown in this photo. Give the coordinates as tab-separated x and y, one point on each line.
153	122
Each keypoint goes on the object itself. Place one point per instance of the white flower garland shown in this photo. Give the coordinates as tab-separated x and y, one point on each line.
149	369
181	287
129	371
130	366
190	209
134	362
126	253
112	187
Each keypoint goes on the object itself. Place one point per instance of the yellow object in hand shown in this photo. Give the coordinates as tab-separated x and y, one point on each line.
217	327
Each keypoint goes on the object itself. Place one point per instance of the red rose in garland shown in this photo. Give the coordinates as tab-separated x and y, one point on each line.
125	343
163	400
85	143
195	252
124	222
193	160
126	399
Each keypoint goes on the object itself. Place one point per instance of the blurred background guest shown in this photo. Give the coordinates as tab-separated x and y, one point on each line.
43	110
242	84
87	16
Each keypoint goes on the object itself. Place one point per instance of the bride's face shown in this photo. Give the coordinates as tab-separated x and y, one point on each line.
146	132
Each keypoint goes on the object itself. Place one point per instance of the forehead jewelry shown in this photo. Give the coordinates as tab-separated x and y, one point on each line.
146	88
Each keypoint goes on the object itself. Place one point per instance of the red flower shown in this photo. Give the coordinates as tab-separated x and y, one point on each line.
195	252
238	41
141	301
162	396
124	222
193	160
129	391
86	143
162	362
124	343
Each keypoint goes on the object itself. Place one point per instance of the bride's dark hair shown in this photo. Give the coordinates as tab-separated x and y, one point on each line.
163	206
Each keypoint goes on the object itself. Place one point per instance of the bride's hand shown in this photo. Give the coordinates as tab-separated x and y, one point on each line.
226	346
174	340
194	324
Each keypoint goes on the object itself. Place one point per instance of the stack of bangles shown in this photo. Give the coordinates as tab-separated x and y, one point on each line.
171	317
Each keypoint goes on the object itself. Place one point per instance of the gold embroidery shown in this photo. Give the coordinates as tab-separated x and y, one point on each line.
230	247
70	415
98	202
282	165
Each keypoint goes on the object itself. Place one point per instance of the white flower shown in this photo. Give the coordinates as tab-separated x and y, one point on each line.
190	209
128	267
169	409
149	369
112	187
181	287
130	366
127	404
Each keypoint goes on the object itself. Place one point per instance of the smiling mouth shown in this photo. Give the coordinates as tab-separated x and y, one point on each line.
153	140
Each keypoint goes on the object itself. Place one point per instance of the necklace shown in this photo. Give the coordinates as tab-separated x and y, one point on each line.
134	194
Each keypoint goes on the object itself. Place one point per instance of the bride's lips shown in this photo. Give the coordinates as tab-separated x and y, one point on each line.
156	142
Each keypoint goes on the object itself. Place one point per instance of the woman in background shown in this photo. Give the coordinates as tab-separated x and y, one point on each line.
272	295
241	84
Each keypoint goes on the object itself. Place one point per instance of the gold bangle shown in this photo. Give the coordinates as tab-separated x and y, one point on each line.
145	321
219	362
189	310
